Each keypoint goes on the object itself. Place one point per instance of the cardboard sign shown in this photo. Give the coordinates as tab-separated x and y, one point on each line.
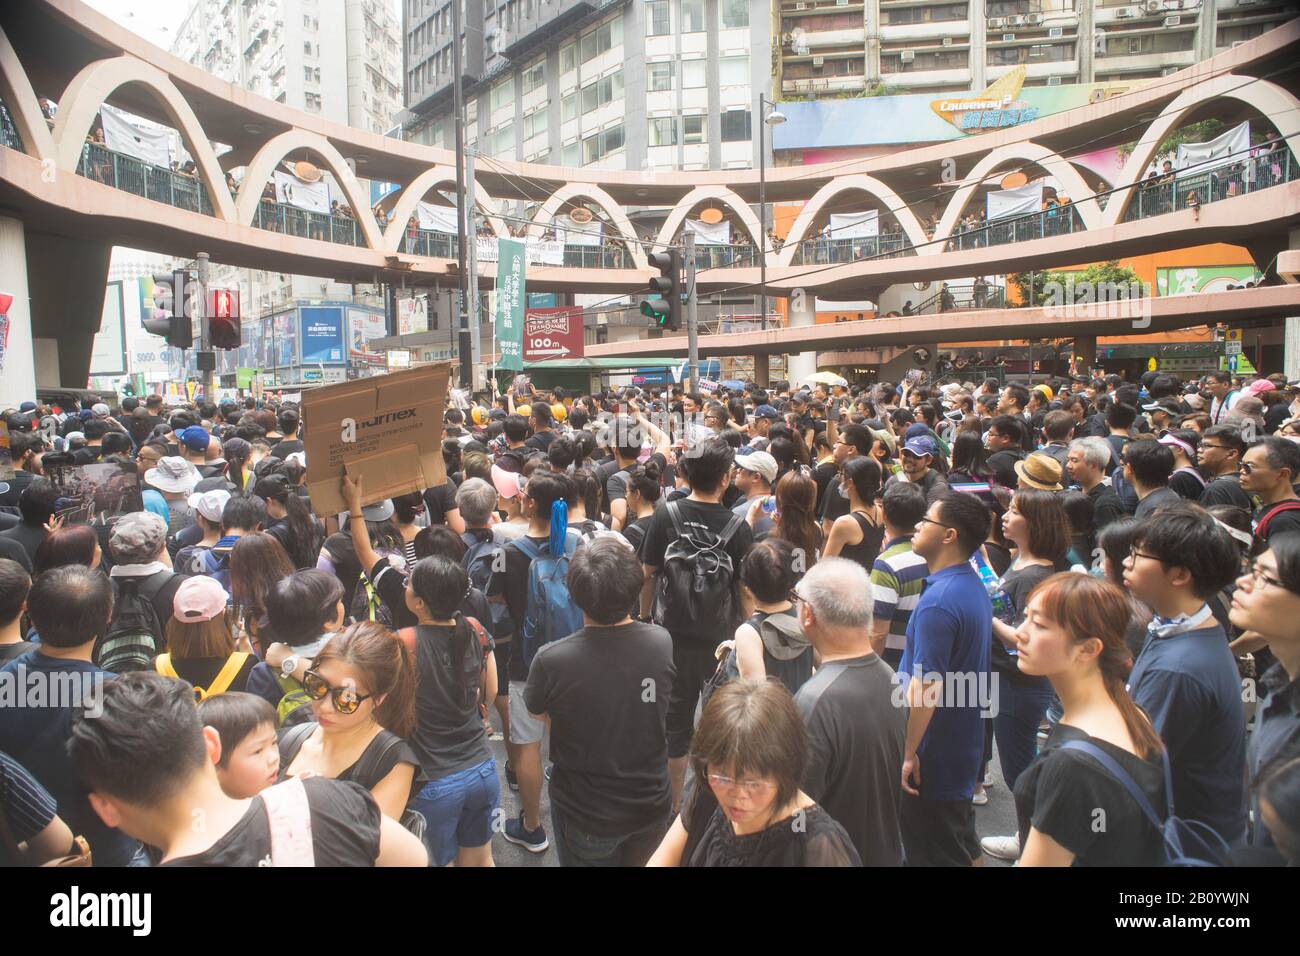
386	429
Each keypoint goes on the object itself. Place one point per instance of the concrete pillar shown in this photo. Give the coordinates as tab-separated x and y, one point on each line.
18	366
801	364
1291	348
1085	352
762	369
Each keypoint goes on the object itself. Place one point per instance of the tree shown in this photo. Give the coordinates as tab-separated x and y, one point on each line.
1109	274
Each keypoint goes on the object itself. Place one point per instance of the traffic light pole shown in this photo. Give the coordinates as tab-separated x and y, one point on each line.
205	328
692	317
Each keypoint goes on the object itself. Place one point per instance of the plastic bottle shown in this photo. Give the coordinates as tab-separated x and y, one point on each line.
769	505
1003	609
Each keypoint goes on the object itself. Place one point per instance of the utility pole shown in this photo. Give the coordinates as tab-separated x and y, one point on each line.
207	358
692	315
471	223
462	219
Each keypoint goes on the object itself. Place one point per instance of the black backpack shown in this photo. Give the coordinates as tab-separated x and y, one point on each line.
697	593
134	633
483	556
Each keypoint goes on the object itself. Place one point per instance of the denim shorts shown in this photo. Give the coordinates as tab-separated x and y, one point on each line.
459	809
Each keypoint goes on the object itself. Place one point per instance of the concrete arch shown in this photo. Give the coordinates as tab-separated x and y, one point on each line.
546	212
1084	200
411	194
868	184
92	87
24	107
722	194
270	155
1268	98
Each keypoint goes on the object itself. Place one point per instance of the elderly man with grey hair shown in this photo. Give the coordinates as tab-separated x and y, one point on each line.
476	499
1088	461
138	547
856	725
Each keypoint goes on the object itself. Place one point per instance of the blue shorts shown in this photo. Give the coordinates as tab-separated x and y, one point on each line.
458	809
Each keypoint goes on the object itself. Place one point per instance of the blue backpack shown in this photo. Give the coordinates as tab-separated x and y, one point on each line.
481	556
1187	842
550	613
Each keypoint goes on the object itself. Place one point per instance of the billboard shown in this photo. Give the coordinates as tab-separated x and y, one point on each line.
322	334
553	333
282	347
108	354
1187	280
363	327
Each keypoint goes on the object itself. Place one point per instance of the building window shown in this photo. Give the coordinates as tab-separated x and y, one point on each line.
657	19
535	123
503	95
571	155
601	40
568	58
733	71
534	76
735	126
503	140
599	145
695	129
602	92
692	16
694	74
569	107
733	13
659	76
662	131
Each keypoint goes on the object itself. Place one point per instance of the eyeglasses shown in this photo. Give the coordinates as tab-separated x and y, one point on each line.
925	520
1220	447
346	700
1134	553
1257	575
751	787
1248	468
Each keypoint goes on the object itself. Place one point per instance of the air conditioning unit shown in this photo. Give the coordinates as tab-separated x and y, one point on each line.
1123	13
1173	4
818	62
1154	6
1008	37
907	56
1054	33
1173	21
1015	21
995	23
841	3
801	6
1053	81
947	41
1034	19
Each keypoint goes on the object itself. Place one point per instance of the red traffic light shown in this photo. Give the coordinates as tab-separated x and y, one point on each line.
223	303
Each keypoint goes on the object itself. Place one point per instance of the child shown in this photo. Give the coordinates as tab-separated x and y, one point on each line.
250	759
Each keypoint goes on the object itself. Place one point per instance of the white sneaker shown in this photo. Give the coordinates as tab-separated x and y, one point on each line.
1002	847
980	798
988	779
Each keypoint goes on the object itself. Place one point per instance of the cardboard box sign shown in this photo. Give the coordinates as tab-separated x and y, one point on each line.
386	429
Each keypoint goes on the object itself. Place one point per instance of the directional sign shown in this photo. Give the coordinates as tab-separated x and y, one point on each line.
553	333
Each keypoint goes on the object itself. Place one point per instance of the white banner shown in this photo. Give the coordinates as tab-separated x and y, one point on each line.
577	234
549	252
124	134
1217	151
855	225
1015	202
710	233
294	192
437	218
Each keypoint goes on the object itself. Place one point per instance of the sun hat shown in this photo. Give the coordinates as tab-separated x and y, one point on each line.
198	599
173	474
1039	471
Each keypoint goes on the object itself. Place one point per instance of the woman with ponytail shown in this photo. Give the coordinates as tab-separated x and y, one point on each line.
362	687
452	669
291	523
236	451
1073	634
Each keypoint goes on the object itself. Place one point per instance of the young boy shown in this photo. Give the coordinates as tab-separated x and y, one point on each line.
1185	677
250	756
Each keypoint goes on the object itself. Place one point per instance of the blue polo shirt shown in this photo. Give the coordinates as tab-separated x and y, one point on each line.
948	637
1189	686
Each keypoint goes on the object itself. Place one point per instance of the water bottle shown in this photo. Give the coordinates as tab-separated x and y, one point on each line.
769	505
1003	609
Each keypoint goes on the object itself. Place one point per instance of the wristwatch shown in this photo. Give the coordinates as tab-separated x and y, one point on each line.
289	665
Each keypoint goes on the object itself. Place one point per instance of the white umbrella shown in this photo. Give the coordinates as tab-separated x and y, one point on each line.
826	378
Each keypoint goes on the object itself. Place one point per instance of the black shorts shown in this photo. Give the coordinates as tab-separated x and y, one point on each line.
694	664
501	653
938	832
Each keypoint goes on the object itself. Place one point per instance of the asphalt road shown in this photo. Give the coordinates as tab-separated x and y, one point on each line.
998	818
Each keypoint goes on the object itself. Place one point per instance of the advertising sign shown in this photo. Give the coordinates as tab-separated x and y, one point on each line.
509	314
363	328
108	354
553	333
322	334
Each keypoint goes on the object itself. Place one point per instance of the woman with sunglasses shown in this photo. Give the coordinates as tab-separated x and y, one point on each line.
747	809
859	534
1073	636
357	730
1266	604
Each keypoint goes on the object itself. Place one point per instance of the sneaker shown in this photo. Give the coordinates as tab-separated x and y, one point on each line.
534	841
1002	847
511	780
988	779
549	768
980	799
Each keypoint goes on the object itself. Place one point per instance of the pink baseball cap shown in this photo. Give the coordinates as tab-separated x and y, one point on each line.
1260	385
199	599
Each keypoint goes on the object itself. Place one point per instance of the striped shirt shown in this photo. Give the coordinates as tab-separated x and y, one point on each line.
27	805
897	578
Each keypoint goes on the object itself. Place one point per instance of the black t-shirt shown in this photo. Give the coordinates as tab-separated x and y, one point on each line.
286	447
1002	464
448	736
823	474
344	830
13	551
635	532
440	499
616	484
1018	583
1065	794
834	504
855	753
202	671
1275	415
87	456
1225	490
1186	485
708	515
1285	518
11	489
820	841
386	749
1106	507
607	734
541	441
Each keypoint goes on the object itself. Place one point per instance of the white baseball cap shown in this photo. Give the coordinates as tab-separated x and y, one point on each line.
210	504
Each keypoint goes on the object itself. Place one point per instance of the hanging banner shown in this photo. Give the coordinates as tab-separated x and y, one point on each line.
292	191
541	252
1231	147
1020	201
710	233
437	218
509	314
567	232
125	134
855	225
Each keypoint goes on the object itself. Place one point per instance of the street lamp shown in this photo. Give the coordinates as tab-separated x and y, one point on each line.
772	117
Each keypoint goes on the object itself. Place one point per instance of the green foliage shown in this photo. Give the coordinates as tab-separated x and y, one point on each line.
1200	132
1097	274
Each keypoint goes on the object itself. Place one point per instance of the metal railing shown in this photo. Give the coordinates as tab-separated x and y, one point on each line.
957	297
828	251
725	257
427	242
1172	192
292	221
597	257
135	176
9	137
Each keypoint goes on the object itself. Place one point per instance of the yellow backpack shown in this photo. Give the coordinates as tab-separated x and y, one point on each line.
220	684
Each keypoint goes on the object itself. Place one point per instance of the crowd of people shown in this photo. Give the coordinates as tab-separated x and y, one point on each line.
785	626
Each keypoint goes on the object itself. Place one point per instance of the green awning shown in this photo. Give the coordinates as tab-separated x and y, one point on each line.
605	364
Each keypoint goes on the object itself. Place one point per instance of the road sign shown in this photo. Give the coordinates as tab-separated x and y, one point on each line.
1232	360
1232	348
553	334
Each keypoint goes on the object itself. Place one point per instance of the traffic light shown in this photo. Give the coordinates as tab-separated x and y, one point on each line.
223	318
665	303
170	317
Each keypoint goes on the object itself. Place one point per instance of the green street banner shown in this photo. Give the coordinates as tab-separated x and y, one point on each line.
509	315
244	377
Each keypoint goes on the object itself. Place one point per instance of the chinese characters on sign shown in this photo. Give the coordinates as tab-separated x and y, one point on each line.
509	315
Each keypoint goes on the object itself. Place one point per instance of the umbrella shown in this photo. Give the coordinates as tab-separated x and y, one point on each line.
826	378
